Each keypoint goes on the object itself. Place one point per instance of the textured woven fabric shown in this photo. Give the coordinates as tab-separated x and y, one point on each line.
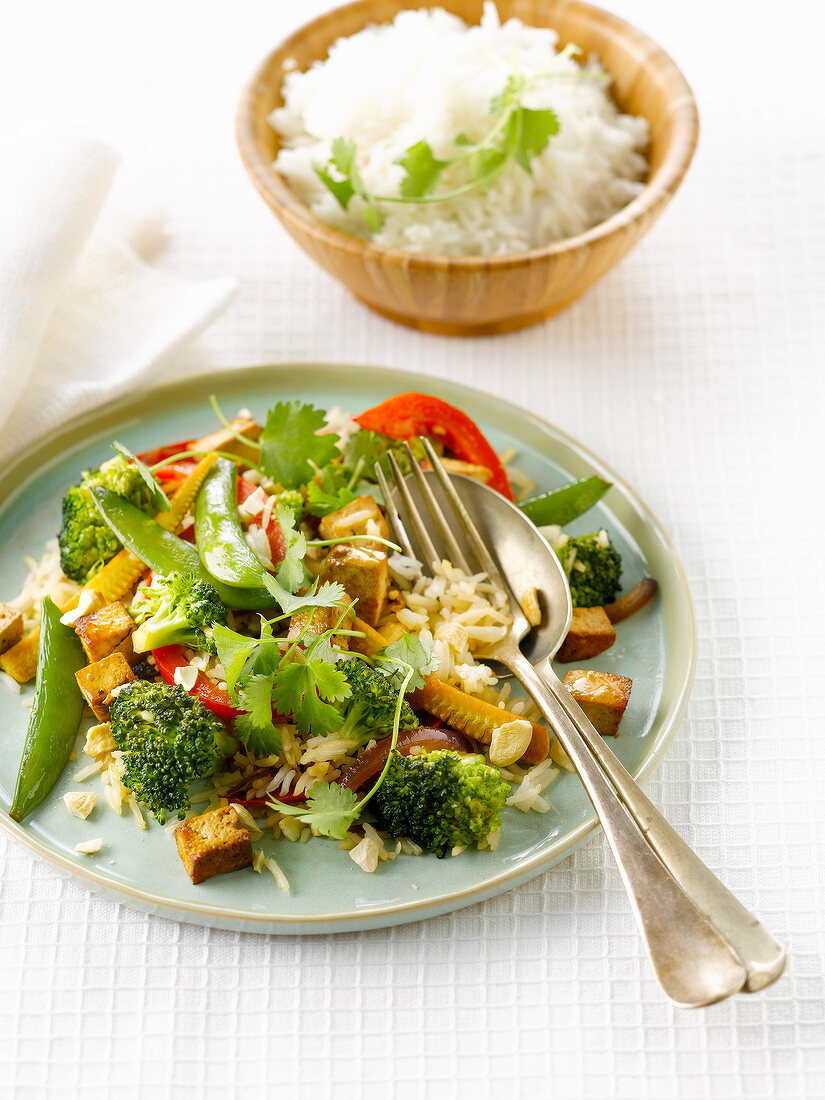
695	369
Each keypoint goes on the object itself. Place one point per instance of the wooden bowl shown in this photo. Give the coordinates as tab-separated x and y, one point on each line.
474	295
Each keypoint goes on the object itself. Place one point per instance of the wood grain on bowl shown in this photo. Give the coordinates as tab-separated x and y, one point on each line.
475	295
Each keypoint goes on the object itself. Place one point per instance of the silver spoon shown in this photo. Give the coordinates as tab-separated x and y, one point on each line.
702	943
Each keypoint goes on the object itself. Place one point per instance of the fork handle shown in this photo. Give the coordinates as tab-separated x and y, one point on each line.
693	963
763	956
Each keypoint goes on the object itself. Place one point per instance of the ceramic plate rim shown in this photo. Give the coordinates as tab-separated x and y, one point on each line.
44	451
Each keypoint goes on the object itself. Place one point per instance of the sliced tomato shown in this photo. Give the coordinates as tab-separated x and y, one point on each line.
277	541
409	414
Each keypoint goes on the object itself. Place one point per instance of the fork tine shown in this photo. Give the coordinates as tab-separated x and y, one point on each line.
475	540
453	549
396	523
431	555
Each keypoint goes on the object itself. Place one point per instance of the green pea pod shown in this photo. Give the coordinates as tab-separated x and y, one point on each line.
224	552
55	714
566	503
165	553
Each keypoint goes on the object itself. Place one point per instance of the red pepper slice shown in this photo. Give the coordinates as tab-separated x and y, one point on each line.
409	414
213	698
176	471
170	657
159	454
277	541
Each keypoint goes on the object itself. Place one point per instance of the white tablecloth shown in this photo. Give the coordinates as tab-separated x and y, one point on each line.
695	369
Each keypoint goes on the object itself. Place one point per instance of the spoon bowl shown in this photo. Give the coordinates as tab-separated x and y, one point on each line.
527	561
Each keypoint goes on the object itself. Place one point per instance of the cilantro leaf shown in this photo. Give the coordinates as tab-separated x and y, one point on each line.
422	169
234	650
373	218
517	133
328	490
290	446
534	132
255	727
330	594
330	809
343	157
160	501
343	160
322	648
342	189
306	691
508	97
486	166
408	652
291	572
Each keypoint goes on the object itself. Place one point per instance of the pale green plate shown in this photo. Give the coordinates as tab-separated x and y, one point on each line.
329	892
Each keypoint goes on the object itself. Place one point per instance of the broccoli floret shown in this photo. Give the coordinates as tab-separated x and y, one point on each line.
86	541
441	799
176	610
292	499
168	740
593	568
370	709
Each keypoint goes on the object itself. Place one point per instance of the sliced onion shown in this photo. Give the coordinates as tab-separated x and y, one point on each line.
369	765
632	601
237	792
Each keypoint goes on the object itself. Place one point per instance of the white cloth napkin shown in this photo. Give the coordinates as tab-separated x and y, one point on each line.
83	317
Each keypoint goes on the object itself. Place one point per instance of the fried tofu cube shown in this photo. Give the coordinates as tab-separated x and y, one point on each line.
602	696
213	844
11	626
106	631
591	633
364	573
318	621
226	440
97	682
361	516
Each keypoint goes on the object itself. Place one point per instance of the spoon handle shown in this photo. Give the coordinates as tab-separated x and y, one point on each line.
693	963
763	956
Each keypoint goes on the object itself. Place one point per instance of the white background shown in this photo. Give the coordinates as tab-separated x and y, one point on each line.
695	369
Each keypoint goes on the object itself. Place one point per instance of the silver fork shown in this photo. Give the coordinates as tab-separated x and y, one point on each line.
702	943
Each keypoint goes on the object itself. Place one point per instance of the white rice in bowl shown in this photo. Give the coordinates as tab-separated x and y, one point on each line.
428	76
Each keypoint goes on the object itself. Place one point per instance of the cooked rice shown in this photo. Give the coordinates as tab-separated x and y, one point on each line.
44	578
455	614
361	91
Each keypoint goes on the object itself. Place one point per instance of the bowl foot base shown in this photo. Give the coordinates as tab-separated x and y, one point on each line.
470	328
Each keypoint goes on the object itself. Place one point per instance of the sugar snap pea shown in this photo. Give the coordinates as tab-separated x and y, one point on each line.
223	550
566	503
165	553
55	715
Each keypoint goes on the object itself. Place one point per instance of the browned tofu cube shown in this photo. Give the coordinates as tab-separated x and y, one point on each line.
591	633
318	621
98	681
602	696
106	631
361	516
11	626
213	844
226	440
365	576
